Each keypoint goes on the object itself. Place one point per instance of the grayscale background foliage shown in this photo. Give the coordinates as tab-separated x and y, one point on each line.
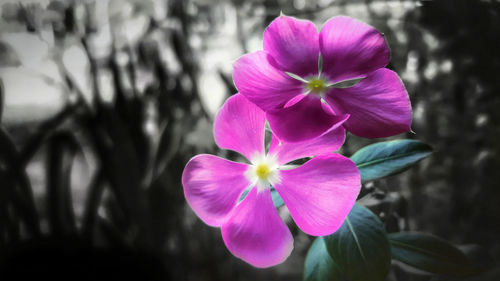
102	103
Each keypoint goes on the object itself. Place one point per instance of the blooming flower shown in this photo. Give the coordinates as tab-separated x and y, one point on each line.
301	80
319	194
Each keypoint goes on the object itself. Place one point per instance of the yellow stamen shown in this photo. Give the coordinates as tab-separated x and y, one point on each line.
263	171
316	85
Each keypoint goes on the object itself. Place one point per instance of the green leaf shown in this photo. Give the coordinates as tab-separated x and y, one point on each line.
277	200
388	158
319	266
430	253
360	247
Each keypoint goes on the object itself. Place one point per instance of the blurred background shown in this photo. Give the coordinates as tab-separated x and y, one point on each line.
104	101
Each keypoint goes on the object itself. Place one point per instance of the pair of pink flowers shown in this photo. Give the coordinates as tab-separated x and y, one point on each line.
297	84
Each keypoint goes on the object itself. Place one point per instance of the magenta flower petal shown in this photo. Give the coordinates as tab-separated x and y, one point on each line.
324	144
257	77
379	105
255	232
239	126
307	119
213	186
320	193
351	49
294	44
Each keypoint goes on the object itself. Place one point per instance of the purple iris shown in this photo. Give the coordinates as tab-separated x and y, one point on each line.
307	82
319	194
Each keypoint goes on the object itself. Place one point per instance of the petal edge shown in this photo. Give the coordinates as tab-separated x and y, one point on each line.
320	193
351	48
212	187
305	120
255	232
379	105
294	44
239	126
257	77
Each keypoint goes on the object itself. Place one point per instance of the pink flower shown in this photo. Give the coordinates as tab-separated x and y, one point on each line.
295	80
319	194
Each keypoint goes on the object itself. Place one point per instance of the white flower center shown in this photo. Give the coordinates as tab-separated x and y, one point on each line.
264	171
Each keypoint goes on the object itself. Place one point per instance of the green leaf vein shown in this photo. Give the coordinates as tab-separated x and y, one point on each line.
351	228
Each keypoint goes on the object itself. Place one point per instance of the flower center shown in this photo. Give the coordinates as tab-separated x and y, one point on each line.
317	85
262	171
